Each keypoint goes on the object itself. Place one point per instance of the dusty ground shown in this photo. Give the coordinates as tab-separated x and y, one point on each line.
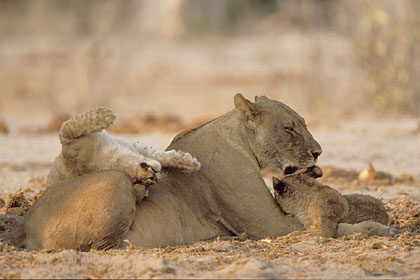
392	146
178	83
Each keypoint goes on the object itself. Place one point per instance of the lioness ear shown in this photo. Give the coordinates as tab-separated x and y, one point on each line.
246	110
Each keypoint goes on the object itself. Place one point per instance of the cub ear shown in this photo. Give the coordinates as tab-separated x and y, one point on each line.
275	180
279	186
262	97
246	110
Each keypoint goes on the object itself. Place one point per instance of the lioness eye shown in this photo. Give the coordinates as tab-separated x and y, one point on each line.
144	165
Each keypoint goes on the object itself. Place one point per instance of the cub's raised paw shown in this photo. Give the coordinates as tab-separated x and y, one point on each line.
184	161
191	164
102	118
91	121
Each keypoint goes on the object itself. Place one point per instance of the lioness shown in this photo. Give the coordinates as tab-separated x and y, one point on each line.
226	197
324	211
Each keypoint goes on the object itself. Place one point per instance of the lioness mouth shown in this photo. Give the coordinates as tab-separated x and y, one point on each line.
293	170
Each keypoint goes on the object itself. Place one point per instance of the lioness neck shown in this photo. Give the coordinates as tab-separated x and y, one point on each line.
220	134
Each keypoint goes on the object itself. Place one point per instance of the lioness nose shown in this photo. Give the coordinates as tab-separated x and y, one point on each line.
316	155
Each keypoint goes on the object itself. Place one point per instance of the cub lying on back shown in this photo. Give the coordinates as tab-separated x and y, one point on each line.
324	211
87	147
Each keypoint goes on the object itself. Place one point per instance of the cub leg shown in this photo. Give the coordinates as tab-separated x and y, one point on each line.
91	121
324	223
366	227
324	227
173	158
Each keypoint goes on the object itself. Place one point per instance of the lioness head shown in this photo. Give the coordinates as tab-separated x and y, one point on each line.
278	136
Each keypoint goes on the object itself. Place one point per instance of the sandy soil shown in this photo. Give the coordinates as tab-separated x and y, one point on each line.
391	146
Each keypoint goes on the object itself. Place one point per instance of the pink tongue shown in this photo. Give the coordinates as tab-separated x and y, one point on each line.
299	171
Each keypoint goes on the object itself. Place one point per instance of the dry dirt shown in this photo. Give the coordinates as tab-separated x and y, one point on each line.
392	146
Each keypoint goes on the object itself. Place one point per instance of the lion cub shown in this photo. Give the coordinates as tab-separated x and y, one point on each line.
87	147
326	212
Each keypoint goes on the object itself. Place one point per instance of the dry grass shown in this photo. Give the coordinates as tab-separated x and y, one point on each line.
296	255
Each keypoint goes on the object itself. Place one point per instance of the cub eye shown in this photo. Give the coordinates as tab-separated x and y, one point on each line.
290	129
144	165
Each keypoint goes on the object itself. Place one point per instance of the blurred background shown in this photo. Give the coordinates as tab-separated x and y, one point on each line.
185	59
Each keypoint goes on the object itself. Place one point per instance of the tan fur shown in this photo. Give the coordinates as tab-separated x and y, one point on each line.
87	147
226	197
326	212
76	213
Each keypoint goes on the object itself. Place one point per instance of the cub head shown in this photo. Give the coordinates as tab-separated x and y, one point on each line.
293	193
148	172
277	135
